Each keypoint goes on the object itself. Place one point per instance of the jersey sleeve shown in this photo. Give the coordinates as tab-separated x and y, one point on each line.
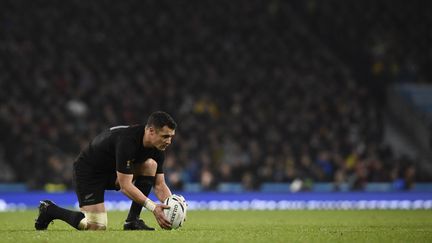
125	156
160	161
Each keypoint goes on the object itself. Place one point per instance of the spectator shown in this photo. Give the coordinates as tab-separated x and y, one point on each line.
254	94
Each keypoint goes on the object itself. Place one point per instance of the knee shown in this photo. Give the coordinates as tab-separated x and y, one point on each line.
151	164
92	226
148	168
94	221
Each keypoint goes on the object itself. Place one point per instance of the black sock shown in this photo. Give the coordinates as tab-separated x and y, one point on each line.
145	184
71	217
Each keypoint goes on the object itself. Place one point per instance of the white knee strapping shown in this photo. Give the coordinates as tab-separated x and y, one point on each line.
99	219
94	221
82	224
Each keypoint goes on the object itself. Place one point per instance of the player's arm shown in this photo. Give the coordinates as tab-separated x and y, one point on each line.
129	189
132	192
161	189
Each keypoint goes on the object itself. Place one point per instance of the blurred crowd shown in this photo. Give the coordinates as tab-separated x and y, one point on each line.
257	96
387	41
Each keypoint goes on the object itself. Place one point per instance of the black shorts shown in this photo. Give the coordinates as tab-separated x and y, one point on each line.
90	186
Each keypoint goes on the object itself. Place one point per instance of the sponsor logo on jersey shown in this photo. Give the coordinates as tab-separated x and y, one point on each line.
128	164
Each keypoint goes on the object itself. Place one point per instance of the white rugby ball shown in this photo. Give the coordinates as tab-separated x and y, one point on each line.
176	214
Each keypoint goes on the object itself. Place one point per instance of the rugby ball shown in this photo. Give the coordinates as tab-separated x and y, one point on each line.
176	214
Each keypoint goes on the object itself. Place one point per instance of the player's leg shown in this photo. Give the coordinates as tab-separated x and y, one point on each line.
90	190
49	211
93	215
144	174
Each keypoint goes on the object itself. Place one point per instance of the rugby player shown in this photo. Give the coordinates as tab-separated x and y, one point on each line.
125	158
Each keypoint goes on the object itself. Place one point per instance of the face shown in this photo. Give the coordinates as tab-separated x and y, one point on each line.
161	138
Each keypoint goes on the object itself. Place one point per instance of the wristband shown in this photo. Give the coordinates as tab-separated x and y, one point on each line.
149	205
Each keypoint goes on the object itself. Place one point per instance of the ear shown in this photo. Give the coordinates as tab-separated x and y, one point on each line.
150	130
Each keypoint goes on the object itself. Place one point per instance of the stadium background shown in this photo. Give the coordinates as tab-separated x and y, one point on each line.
334	97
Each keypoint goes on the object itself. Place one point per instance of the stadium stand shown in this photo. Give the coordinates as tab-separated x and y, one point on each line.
261	95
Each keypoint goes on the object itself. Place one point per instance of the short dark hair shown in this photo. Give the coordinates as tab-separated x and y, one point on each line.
159	119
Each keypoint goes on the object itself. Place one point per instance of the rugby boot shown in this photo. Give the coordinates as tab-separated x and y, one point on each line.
136	225
44	219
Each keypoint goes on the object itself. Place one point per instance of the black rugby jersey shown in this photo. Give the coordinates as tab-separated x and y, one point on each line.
118	149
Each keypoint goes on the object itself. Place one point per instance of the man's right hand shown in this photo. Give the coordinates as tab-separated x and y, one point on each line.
160	216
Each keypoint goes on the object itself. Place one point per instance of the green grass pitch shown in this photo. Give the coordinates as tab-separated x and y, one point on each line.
239	226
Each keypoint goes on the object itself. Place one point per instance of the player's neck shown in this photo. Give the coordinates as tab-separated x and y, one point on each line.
146	140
